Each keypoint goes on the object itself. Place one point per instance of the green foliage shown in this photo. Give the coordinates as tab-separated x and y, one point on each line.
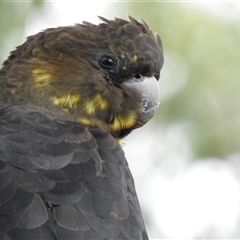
13	15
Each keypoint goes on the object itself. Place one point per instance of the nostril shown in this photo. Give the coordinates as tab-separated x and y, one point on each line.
137	76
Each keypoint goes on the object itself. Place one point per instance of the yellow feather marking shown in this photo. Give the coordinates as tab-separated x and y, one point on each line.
85	121
41	76
65	110
69	101
121	122
134	58
124	68
89	108
122	56
98	102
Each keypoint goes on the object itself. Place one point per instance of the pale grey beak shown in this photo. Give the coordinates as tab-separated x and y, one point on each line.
149	91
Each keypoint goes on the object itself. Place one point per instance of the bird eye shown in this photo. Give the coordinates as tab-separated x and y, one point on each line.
107	62
137	76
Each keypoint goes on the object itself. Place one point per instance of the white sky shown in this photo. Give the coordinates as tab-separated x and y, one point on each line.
199	198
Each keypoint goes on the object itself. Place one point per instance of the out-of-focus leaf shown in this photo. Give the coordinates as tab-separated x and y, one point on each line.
13	15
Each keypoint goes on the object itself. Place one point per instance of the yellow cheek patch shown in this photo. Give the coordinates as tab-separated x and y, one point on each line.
70	101
41	76
123	122
89	108
96	103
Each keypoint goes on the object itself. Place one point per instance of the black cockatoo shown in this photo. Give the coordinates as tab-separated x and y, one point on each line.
68	95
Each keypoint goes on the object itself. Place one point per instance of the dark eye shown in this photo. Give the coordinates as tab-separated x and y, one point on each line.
107	62
137	76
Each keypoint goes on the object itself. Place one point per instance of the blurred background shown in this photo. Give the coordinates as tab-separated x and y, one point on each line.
186	160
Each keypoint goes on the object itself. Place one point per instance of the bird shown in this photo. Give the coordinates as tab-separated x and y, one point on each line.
68	97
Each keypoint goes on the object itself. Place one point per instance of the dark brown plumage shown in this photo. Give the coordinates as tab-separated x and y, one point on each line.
62	67
66	93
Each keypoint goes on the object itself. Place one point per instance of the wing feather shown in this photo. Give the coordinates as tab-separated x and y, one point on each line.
61	180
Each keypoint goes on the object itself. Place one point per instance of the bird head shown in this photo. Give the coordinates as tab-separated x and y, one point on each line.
97	75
